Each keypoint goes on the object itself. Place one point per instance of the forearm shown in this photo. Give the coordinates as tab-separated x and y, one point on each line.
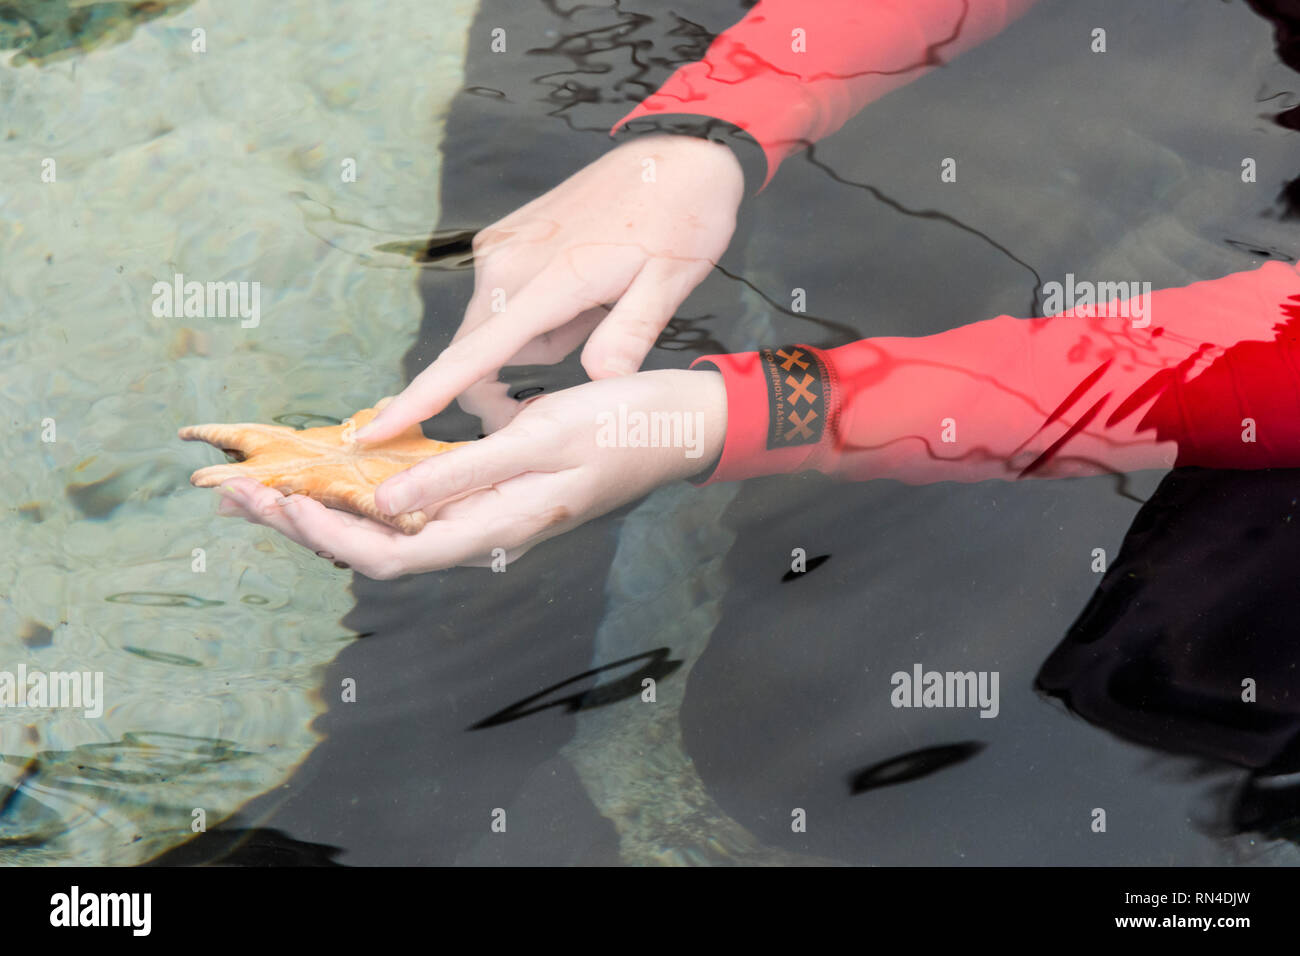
793	71
1212	379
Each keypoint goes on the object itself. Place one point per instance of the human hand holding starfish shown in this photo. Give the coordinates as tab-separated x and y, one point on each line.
324	463
549	470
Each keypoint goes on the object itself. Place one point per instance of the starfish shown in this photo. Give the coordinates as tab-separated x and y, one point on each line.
322	463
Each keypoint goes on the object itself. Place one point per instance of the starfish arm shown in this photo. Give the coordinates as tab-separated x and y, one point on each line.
214	475
246	437
360	500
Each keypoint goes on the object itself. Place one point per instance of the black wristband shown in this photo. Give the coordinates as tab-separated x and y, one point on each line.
753	162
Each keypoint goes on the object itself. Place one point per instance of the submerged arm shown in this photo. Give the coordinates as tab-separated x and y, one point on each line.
1207	374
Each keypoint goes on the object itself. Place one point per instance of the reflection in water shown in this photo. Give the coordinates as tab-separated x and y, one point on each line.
938	216
810	565
304	420
656	668
162	657
139	793
158	599
912	766
451	249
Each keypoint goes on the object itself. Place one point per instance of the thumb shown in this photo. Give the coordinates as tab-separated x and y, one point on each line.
474	465
621	342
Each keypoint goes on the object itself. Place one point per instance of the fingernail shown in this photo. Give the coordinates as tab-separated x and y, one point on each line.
361	434
618	366
398	499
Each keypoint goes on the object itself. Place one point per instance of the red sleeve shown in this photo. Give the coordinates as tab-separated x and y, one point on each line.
793	71
1207	374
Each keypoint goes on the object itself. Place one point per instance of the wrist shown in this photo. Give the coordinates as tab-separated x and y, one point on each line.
750	160
709	400
686	412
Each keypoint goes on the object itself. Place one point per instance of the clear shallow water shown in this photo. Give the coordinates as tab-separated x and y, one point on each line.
773	695
222	166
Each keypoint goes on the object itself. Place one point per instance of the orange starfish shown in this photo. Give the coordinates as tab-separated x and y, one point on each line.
322	463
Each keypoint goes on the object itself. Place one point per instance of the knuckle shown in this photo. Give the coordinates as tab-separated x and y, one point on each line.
640	328
584	283
486	237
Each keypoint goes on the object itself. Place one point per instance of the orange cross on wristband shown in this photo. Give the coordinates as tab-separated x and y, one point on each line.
791	359
801	429
800	389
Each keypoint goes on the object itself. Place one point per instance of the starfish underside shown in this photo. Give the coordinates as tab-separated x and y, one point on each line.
322	463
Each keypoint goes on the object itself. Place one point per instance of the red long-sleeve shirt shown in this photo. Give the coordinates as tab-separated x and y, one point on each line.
793	71
1210	376
1212	380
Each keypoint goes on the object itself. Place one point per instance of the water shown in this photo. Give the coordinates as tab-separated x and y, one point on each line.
221	165
772	695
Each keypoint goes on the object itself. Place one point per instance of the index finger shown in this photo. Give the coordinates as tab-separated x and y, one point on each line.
544	304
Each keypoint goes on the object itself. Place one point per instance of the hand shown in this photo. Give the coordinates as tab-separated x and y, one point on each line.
566	458
640	228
